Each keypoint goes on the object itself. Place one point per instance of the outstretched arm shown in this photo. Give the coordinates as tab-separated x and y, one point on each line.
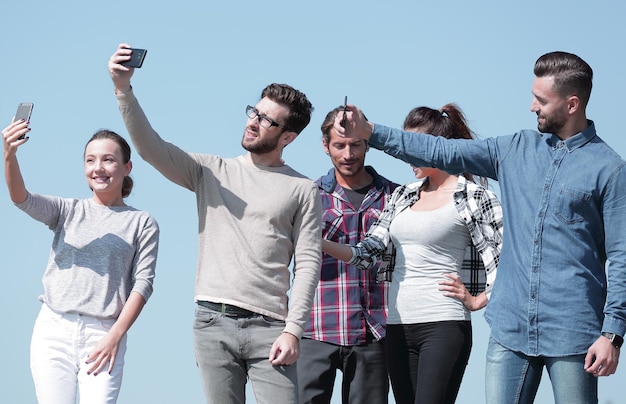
12	173
174	163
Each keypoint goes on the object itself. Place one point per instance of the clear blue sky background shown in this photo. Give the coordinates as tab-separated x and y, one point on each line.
206	62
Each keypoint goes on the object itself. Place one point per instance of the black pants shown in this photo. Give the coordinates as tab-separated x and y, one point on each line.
426	361
363	367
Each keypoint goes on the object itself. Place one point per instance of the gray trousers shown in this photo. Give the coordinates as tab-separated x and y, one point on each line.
229	351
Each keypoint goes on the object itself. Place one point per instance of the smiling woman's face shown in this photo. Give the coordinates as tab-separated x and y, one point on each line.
105	171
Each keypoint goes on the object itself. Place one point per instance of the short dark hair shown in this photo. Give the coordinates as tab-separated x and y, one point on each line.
127	185
299	106
572	75
328	123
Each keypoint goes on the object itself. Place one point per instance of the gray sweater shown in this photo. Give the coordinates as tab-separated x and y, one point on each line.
252	220
99	255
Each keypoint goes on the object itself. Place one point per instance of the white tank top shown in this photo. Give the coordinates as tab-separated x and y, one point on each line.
429	244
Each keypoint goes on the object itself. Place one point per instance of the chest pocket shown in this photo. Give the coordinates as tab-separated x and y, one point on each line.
333	224
370	217
337	224
571	205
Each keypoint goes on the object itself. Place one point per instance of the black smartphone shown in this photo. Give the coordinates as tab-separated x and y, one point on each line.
345	108
136	58
24	111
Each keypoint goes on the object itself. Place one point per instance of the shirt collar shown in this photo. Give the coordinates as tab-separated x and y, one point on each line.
328	182
578	140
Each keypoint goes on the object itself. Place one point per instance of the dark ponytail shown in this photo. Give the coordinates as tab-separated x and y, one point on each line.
448	122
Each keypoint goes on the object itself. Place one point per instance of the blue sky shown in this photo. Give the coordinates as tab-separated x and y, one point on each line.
206	61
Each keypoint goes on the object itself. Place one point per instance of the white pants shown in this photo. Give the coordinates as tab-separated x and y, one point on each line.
59	348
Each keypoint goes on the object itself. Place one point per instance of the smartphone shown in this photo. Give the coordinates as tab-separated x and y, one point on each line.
24	110
136	58
345	108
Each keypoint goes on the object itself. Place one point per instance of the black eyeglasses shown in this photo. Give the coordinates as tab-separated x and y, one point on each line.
264	120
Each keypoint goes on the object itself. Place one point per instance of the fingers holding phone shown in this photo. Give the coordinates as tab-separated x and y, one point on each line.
23	113
352	123
17	130
14	135
136	58
123	63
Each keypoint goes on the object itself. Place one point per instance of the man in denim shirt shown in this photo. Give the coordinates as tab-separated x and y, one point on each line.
564	198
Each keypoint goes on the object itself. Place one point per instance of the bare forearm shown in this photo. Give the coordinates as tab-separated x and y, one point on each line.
14	180
476	302
342	252
129	314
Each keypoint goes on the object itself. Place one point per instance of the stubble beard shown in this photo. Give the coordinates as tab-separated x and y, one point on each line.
553	124
261	146
351	173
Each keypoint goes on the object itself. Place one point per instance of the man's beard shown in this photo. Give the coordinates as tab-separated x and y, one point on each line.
553	124
356	169
261	146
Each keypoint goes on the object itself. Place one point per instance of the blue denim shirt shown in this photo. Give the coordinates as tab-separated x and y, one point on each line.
564	208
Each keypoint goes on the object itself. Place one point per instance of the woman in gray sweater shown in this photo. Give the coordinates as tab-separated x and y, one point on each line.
98	277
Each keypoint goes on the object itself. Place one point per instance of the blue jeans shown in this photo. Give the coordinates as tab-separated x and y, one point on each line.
363	368
230	350
513	378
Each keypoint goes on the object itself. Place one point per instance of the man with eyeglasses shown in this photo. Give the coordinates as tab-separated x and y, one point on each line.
346	328
256	214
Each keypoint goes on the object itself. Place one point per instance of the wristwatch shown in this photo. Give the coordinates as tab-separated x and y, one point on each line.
615	339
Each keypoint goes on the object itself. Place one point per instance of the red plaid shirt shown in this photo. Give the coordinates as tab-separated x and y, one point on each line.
348	300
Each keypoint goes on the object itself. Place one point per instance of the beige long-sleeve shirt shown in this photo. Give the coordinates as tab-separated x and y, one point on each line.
252	220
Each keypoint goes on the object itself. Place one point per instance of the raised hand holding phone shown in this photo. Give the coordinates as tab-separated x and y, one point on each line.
24	111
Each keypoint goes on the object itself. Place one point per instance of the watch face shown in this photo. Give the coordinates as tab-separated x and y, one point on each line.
617	340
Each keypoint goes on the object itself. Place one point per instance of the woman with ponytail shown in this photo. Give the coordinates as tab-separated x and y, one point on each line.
439	239
98	277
